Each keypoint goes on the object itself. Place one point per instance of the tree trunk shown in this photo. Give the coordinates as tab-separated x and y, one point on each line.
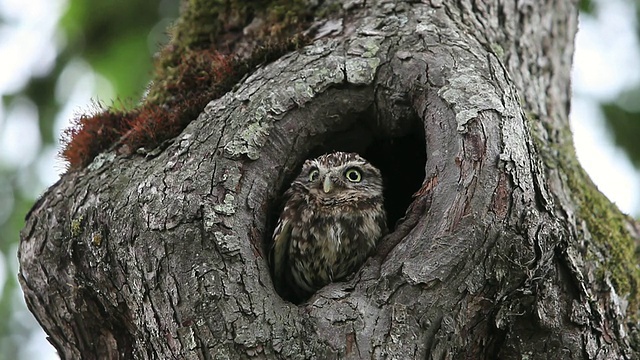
506	250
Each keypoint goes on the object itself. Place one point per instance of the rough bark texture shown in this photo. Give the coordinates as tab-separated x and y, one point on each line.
164	257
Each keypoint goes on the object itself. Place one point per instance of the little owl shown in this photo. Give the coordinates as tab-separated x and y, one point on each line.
331	223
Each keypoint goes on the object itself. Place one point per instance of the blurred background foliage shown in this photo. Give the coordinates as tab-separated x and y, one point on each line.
99	51
94	51
622	113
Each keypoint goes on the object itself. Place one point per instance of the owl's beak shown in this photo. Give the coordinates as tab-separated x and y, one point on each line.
327	185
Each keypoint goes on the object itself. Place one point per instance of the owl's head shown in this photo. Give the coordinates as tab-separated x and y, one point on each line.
340	177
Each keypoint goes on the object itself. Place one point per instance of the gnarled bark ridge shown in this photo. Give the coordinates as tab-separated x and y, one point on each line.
164	256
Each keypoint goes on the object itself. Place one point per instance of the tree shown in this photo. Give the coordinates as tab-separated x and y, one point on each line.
502	248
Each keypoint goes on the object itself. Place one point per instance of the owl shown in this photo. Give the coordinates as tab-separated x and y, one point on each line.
331	222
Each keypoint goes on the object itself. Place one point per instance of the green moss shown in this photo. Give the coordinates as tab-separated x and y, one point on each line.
209	26
498	50
603	219
76	226
330	9
96	239
288	12
199	23
607	227
202	21
207	55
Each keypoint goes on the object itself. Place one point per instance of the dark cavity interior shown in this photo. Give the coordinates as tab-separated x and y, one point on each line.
399	154
401	158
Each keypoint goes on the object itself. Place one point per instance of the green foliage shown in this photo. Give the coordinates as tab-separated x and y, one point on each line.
114	37
13	334
586	6
117	39
623	113
624	124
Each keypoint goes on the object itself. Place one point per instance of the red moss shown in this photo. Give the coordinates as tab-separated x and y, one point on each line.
91	135
201	78
186	80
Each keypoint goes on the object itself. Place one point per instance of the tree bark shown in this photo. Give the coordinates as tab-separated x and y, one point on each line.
462	104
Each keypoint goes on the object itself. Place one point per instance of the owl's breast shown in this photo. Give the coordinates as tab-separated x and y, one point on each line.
335	242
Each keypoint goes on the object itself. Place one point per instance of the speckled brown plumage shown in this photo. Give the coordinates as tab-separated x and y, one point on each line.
331	222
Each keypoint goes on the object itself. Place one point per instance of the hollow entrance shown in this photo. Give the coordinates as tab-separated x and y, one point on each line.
399	154
401	159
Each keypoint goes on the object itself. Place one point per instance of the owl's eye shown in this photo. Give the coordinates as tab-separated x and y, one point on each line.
353	175
313	174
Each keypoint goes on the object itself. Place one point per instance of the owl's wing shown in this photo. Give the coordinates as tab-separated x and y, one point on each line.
280	252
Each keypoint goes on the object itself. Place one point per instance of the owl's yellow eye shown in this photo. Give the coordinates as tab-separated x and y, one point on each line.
313	174
353	175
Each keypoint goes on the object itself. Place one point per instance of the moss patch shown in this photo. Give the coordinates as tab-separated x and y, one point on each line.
199	64
606	224
603	219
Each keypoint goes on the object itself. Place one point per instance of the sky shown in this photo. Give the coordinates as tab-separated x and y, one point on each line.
606	62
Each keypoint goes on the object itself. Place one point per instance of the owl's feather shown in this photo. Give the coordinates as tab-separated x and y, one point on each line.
331	222
280	254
